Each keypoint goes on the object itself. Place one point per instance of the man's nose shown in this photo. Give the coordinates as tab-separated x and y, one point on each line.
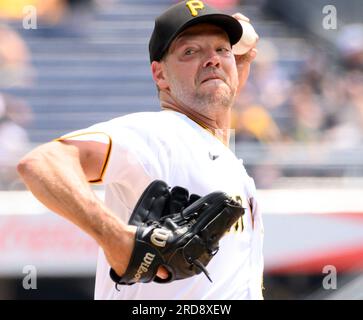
212	59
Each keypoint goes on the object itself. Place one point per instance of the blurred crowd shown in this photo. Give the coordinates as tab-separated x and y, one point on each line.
16	71
50	12
318	104
320	100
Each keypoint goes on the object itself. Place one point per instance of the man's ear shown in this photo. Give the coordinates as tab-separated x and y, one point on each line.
159	76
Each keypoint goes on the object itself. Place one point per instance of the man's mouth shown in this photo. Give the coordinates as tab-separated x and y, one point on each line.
214	77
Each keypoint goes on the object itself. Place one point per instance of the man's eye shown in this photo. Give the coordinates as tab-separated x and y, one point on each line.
189	52
223	49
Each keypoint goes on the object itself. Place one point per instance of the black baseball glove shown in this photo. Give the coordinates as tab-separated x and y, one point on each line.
176	231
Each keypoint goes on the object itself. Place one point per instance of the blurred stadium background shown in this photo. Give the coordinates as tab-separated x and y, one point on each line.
298	127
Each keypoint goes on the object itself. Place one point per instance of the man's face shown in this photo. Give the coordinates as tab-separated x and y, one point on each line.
200	69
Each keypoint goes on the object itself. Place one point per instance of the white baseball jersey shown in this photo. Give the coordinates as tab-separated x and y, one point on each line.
169	146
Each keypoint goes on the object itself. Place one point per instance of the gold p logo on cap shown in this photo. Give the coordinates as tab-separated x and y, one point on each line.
194	6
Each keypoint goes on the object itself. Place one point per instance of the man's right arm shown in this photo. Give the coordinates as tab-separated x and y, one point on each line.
57	173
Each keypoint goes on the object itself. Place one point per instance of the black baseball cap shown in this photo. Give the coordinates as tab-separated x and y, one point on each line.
184	15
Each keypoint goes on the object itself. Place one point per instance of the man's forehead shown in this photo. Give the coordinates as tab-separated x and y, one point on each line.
202	29
199	30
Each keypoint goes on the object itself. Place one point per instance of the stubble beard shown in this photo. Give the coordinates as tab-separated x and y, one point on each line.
204	101
219	98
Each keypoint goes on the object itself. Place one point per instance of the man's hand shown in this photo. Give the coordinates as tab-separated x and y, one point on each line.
243	62
118	251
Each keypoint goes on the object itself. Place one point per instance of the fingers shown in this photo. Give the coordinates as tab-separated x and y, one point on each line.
240	16
247	57
251	55
162	273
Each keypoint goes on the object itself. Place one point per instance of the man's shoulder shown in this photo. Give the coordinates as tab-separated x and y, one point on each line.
145	121
139	117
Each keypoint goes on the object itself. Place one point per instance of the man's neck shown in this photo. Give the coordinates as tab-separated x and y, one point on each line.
217	121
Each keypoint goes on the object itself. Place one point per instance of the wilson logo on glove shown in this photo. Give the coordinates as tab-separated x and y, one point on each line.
159	237
144	267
